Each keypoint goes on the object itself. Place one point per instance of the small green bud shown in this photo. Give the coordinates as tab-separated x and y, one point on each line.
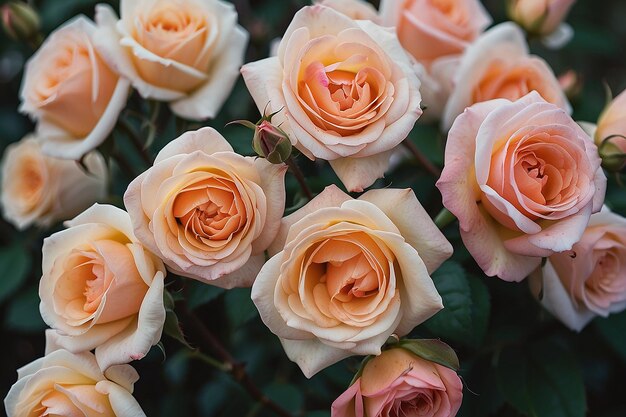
20	21
611	150
271	143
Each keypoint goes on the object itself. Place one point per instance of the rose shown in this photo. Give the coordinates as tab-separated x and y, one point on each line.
590	279
541	17
185	52
345	274
101	288
71	92
354	9
208	212
38	189
522	178
498	65
435	33
610	133
347	88
66	384
431	29
398	383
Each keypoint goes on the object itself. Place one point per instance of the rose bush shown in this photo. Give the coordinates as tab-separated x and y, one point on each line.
345	274
523	179
348	92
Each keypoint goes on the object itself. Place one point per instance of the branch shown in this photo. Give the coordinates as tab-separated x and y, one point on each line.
295	170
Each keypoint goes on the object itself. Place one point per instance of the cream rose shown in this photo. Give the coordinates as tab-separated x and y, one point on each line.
101	288
589	280
345	274
70	91
347	88
354	9
398	383
522	178
208	212
610	133
38	189
498	65
185	52
66	384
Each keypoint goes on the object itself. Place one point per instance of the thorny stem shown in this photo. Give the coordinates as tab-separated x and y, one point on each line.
295	170
237	369
421	158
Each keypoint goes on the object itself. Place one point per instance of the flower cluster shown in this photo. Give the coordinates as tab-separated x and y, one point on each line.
340	274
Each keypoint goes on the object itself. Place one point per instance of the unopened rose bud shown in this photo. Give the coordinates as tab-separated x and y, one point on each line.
539	17
610	134
20	21
571	84
271	143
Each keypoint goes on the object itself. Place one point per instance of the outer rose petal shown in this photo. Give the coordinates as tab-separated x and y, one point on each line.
312	355
122	402
359	173
350	403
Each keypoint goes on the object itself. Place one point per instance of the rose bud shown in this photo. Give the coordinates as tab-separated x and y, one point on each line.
610	134
271	143
539	17
20	22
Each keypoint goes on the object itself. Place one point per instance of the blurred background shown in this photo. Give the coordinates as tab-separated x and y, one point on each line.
499	355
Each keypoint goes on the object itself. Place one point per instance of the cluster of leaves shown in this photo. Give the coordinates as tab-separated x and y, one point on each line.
515	359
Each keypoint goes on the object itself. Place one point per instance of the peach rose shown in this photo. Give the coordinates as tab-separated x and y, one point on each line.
354	9
589	280
540	17
522	178
208	212
71	92
185	52
347	88
101	288
345	274
498	65
38	189
612	129
67	384
398	383
431	29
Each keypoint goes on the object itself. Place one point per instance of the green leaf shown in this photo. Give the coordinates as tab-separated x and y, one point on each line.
14	268
200	293
289	397
432	350
23	312
454	321
613	329
171	327
543	380
239	306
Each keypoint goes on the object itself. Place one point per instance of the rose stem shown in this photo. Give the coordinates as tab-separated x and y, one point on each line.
132	135
123	163
295	170
421	158
235	368
444	218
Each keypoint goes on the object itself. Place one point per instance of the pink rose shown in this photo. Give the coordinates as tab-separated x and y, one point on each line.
345	274
347	88
185	52
207	211
522	178
498	65
71	92
589	280
398	383
431	29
